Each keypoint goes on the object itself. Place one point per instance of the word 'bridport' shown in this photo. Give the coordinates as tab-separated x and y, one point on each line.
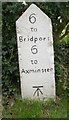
33	39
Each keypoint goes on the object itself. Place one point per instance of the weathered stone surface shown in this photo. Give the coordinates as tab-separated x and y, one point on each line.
36	56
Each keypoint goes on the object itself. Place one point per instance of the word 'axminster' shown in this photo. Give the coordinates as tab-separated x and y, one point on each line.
37	70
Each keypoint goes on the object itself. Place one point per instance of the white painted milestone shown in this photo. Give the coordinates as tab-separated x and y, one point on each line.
36	55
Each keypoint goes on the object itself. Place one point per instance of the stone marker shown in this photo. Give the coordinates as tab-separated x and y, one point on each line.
36	56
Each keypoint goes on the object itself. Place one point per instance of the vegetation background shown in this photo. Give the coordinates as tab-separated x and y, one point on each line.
59	14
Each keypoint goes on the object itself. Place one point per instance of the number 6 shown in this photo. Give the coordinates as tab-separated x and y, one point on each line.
32	18
34	49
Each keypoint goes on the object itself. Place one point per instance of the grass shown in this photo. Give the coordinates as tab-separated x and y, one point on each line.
35	109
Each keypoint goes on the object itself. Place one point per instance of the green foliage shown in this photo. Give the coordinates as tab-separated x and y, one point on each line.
58	12
9	47
36	109
61	66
